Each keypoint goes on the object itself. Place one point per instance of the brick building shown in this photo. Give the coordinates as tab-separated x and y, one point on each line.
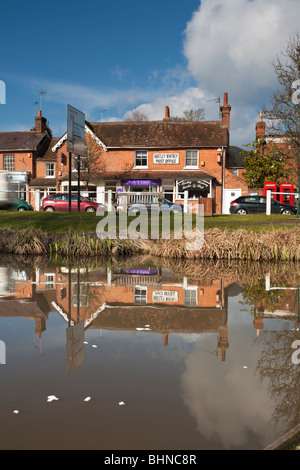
167	157
19	153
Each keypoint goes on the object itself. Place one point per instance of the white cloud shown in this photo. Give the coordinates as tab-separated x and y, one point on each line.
230	47
190	98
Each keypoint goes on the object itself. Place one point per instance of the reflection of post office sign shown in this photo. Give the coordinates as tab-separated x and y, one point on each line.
165	296
166	158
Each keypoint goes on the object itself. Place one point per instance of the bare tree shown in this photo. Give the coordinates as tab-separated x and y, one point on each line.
191	115
283	115
137	116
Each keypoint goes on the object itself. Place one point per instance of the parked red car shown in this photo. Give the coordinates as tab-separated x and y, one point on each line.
60	203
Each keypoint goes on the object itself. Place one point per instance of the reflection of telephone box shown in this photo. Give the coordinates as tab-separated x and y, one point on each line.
288	196
270	186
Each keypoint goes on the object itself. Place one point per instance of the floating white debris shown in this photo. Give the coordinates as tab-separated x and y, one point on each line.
85	342
16	412
245	367
94	346
121	403
51	398
147	326
87	399
143	329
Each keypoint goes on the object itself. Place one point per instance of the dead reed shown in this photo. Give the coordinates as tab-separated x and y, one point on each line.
273	245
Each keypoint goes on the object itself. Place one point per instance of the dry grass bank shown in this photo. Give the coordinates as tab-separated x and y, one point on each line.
275	245
283	245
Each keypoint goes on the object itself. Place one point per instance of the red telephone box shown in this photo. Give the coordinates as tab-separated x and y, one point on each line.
270	186
286	198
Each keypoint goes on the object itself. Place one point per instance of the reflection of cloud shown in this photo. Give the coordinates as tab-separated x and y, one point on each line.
226	400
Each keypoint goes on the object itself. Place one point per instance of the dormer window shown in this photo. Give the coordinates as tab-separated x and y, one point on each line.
50	170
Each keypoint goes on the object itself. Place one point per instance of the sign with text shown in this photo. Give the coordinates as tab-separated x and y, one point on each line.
165	296
75	131
166	158
184	185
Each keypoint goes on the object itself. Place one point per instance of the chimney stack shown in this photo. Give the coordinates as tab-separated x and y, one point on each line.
260	127
40	123
225	110
167	113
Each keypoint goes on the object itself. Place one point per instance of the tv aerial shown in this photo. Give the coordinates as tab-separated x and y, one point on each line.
216	100
42	93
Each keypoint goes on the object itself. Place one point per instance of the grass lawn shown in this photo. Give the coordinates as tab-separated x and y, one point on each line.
62	222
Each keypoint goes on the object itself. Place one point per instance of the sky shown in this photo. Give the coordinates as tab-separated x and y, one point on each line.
109	58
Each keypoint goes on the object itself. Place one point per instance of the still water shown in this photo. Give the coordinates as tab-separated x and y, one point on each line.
142	354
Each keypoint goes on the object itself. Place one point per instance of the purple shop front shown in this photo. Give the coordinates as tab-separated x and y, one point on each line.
152	182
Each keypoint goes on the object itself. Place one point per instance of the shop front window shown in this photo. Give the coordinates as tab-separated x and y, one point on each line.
195	189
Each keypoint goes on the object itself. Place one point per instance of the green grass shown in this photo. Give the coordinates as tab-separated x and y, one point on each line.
62	222
255	222
55	222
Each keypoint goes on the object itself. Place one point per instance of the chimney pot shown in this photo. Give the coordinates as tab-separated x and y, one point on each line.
167	112
225	98
40	123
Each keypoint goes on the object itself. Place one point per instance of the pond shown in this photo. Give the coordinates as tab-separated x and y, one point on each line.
147	354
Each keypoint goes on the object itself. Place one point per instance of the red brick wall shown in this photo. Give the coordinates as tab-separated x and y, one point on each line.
22	161
123	159
235	182
41	169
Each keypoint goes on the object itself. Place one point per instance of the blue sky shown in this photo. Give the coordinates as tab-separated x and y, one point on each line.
119	56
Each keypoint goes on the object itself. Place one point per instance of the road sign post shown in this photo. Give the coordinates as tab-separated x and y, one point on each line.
75	145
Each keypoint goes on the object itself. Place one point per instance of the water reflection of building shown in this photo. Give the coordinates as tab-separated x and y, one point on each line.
19	298
121	299
277	301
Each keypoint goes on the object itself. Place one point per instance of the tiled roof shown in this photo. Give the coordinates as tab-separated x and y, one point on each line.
43	182
161	134
27	140
140	175
235	158
49	155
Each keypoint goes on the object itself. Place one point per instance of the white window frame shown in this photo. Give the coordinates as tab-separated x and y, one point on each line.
83	294
145	152
185	158
83	162
194	290
50	169
49	280
136	295
10	164
235	171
